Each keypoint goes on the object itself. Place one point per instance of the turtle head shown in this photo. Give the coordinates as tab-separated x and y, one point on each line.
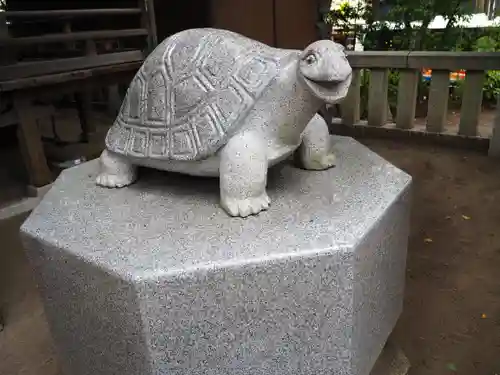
324	67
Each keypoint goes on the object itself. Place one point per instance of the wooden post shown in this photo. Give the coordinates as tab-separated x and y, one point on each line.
30	142
7	53
28	134
84	100
148	21
67	30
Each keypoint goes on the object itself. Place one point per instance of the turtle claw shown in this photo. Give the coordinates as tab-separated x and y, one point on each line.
247	206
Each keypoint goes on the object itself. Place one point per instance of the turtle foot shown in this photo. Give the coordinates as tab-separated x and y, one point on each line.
320	162
116	171
114	181
247	206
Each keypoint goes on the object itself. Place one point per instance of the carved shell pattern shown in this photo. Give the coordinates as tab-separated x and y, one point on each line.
191	94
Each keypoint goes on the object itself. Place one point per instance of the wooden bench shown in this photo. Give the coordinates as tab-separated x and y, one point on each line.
76	59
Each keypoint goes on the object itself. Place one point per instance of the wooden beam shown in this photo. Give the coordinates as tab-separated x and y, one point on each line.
68	37
30	69
71	13
105	75
30	142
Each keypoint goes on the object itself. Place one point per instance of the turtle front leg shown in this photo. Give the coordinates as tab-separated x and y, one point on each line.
116	170
243	175
315	152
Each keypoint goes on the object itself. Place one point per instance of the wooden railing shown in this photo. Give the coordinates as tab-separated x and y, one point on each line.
45	53
409	65
74	39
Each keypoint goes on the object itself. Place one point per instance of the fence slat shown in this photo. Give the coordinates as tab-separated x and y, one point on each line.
377	97
471	103
438	101
350	106
407	98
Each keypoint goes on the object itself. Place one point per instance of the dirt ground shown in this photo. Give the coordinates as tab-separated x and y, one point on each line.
451	318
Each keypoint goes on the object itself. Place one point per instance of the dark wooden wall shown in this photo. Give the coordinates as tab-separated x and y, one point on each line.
173	16
78	24
282	23
254	18
296	23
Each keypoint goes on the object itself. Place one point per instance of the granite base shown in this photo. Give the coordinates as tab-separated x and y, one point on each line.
156	279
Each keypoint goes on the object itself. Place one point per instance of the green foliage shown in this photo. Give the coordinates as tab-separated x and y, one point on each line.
412	18
409	20
491	89
487	43
490	43
345	19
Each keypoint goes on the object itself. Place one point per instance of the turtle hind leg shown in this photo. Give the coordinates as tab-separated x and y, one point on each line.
116	171
243	175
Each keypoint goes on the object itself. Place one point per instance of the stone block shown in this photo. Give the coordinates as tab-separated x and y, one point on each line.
157	279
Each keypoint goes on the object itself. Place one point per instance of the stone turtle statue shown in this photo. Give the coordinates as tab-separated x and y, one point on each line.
210	102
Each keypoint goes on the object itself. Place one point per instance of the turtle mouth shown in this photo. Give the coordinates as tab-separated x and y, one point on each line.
330	91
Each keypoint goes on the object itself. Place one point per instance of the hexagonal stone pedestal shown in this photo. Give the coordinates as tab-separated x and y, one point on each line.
157	279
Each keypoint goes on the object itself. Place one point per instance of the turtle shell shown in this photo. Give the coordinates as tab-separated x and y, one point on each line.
191	94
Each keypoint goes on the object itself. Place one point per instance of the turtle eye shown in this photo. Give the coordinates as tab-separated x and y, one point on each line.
310	59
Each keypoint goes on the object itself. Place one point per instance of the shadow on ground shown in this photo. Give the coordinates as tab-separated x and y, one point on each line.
451	318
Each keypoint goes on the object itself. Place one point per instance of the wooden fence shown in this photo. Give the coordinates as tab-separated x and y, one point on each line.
48	53
409	65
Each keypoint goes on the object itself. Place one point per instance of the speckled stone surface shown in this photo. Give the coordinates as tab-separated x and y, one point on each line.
156	279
